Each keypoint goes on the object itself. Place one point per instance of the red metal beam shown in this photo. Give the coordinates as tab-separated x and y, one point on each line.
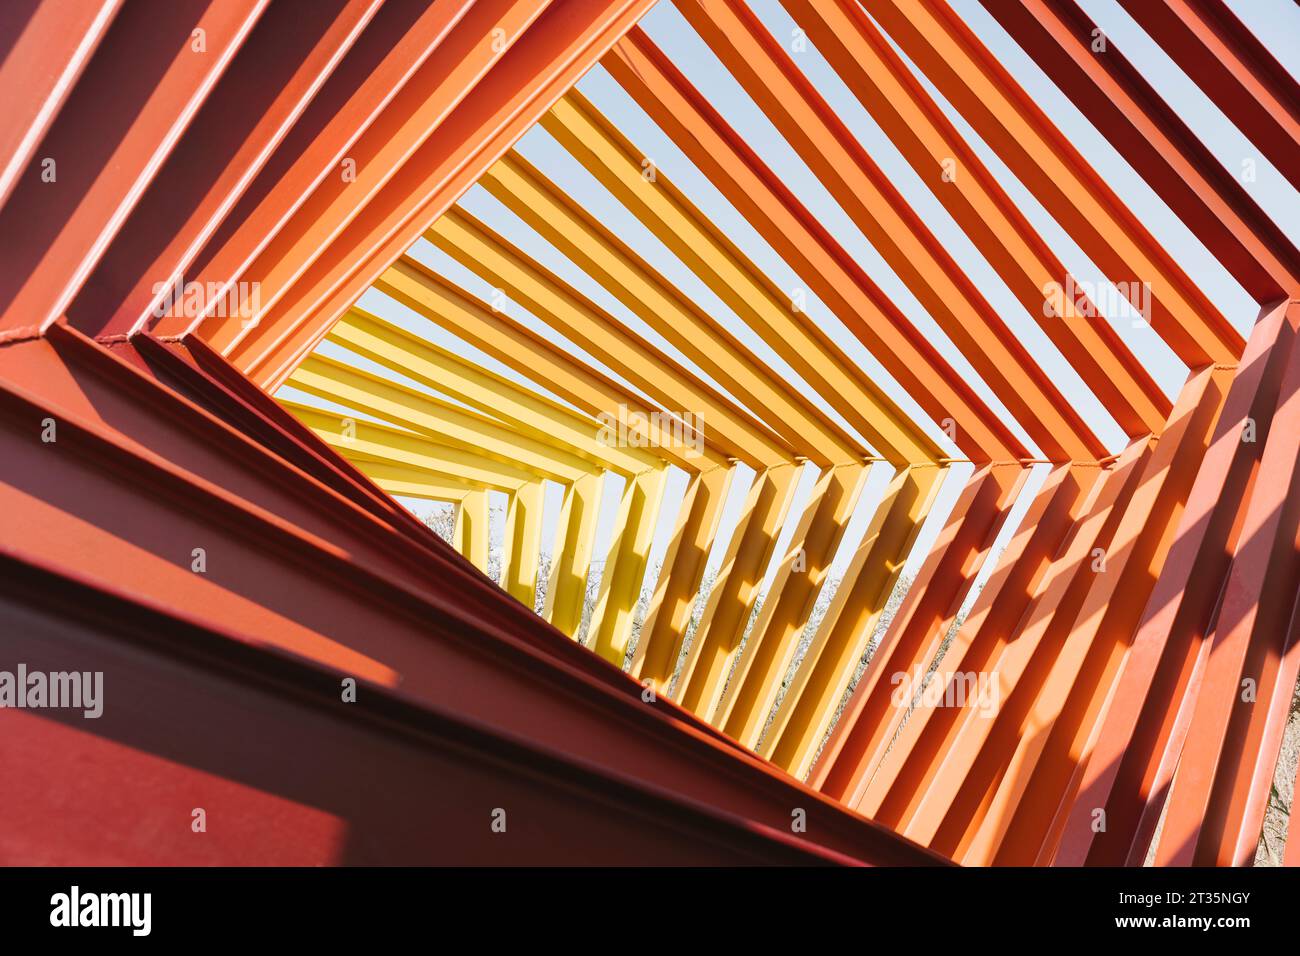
1116	98
237	445
44	46
122	498
275	74
965	72
192	719
1233	68
134	100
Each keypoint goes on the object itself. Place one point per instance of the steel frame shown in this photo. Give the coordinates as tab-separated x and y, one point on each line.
172	521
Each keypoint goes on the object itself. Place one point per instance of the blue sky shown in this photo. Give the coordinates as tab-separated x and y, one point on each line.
1276	22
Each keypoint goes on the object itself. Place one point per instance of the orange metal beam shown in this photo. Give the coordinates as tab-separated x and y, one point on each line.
361	93
278	70
925	741
1225	772
796	234
1139	742
860	186
927	139
529	77
933	37
392	144
975	758
870	720
1024	823
678	317
721	265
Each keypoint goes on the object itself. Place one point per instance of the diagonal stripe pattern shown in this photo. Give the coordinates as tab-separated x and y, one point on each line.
775	484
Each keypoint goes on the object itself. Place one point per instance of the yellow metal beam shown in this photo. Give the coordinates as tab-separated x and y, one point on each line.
613	159
805	714
439	369
791	596
670	312
522	543
386	444
566	590
616	604
473	534
727	610
678	586
490	255
444	422
412	482
620	582
494	332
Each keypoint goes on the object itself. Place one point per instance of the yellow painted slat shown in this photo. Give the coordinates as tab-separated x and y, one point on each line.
841	639
334	380
727	609
670	312
521	543
473	534
679	582
720	264
478	247
620	582
439	369
497	334
566	590
392	445
412	482
789	603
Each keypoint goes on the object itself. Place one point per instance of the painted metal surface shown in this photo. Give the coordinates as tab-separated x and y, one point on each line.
168	518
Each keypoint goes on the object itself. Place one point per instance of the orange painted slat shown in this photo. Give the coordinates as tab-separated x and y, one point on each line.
951	169
796	234
1138	744
933	37
870	719
388	55
768	74
535	72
